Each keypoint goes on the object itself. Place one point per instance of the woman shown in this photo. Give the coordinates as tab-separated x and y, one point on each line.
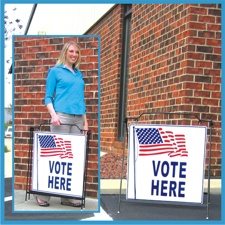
64	99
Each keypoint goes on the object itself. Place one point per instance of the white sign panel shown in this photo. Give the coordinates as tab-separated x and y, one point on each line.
166	163
59	163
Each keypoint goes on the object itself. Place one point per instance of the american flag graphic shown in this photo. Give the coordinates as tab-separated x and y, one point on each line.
155	141
52	145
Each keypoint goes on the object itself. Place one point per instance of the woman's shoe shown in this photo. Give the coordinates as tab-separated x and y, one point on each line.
42	202
73	204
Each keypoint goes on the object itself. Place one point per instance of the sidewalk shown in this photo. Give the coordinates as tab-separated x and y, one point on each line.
31	205
55	204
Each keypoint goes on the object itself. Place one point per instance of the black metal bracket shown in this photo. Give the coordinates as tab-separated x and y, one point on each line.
186	114
29	170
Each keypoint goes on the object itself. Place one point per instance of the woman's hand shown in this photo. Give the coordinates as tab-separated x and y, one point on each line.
85	127
55	120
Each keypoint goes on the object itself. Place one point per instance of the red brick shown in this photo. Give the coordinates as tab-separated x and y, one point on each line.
214	27
34	49
207	19
213	42
29	43
198	10
195	25
49	48
29	56
204	64
43	41
54	55
198	41
36	75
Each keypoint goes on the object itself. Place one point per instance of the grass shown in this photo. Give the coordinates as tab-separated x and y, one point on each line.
6	149
5	126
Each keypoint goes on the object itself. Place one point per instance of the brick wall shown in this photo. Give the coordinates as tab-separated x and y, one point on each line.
174	66
33	56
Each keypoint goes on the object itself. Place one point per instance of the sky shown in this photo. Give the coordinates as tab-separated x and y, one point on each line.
74	19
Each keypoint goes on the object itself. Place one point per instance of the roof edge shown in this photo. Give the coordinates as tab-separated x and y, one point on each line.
106	13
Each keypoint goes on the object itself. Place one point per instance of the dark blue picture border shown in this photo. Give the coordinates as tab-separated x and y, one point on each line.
3	221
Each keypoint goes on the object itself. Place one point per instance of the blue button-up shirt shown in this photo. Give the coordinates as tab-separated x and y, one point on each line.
65	90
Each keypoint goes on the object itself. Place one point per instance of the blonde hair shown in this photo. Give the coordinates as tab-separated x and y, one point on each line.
62	56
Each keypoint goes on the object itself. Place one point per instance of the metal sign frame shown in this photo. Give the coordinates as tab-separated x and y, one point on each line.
29	189
208	157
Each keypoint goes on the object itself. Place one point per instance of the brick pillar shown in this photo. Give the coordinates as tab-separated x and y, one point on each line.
174	66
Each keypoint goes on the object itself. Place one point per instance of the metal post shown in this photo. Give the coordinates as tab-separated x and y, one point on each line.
209	169
85	173
121	176
29	164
